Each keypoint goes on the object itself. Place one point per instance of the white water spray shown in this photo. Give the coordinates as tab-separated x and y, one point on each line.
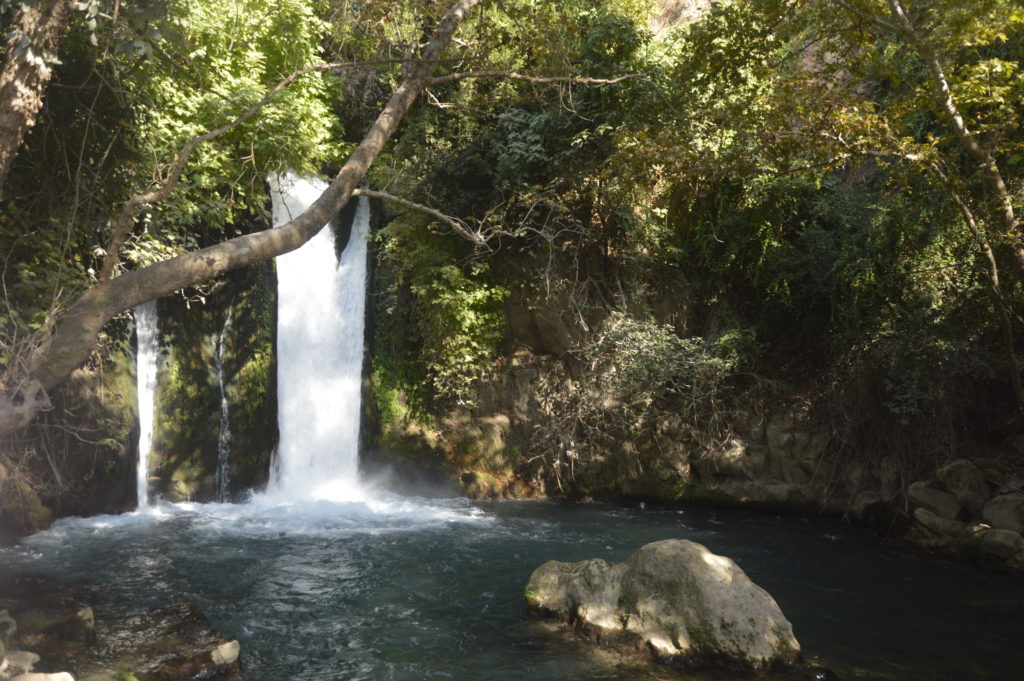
224	436
320	306
147	351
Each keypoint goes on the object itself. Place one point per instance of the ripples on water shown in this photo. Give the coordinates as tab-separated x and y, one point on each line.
412	589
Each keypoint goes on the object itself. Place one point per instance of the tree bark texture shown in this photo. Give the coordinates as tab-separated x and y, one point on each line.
75	336
35	33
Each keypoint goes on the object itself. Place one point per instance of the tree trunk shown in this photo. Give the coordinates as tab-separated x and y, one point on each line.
35	35
984	161
75	336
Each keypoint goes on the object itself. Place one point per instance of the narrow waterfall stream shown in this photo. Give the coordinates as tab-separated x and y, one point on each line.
321	302
147	329
224	435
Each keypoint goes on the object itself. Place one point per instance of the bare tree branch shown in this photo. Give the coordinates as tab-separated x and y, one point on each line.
460	227
509	75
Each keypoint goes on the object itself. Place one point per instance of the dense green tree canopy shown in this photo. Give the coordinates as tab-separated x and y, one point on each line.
835	180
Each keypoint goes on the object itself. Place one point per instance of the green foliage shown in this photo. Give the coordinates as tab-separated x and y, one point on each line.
638	361
461	321
217	60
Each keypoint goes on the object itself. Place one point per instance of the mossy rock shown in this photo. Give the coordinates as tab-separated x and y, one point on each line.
22	512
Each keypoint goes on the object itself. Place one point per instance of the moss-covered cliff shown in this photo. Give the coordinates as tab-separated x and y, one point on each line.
238	321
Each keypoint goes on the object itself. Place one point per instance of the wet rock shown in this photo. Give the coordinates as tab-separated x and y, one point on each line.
207	665
1002	543
868	506
944	504
60	676
8	627
226	654
176	642
1006	512
937	524
967	483
684	603
17	662
79	626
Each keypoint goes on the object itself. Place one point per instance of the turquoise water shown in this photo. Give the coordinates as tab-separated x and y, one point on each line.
412	589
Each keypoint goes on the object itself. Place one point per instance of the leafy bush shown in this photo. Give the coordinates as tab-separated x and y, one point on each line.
461	322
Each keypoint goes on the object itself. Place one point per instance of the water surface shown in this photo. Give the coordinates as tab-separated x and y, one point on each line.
412	589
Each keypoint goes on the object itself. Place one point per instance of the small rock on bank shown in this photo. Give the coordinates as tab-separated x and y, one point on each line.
684	603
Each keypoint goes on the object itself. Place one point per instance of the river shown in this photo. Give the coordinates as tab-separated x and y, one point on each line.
412	589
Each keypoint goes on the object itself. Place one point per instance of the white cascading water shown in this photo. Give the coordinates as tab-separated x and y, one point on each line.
320	308
224	436
147	336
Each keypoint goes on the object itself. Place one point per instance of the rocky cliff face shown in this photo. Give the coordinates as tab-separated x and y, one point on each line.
80	458
543	425
77	459
240	316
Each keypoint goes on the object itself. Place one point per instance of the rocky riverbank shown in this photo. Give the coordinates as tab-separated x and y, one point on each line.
773	454
51	634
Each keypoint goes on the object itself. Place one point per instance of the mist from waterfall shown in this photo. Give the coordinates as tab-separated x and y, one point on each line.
147	328
321	303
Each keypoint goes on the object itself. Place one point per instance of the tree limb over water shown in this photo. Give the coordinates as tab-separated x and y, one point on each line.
46	359
75	335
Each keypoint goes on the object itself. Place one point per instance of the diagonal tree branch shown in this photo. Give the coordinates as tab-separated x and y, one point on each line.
76	334
134	206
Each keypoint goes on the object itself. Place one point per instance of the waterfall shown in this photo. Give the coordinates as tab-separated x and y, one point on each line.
320	309
146	332
224	437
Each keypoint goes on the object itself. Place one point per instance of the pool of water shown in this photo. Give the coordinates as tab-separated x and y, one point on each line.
413	589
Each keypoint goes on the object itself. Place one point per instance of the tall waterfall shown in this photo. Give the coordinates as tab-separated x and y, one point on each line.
147	336
320	309
224	436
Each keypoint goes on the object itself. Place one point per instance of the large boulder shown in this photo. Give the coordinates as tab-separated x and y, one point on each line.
1006	512
1002	543
943	504
967	483
937	524
686	604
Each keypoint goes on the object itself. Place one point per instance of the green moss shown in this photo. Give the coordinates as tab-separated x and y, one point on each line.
481	484
21	510
187	429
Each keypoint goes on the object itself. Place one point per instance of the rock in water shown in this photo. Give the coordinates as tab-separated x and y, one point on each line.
685	603
8	627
